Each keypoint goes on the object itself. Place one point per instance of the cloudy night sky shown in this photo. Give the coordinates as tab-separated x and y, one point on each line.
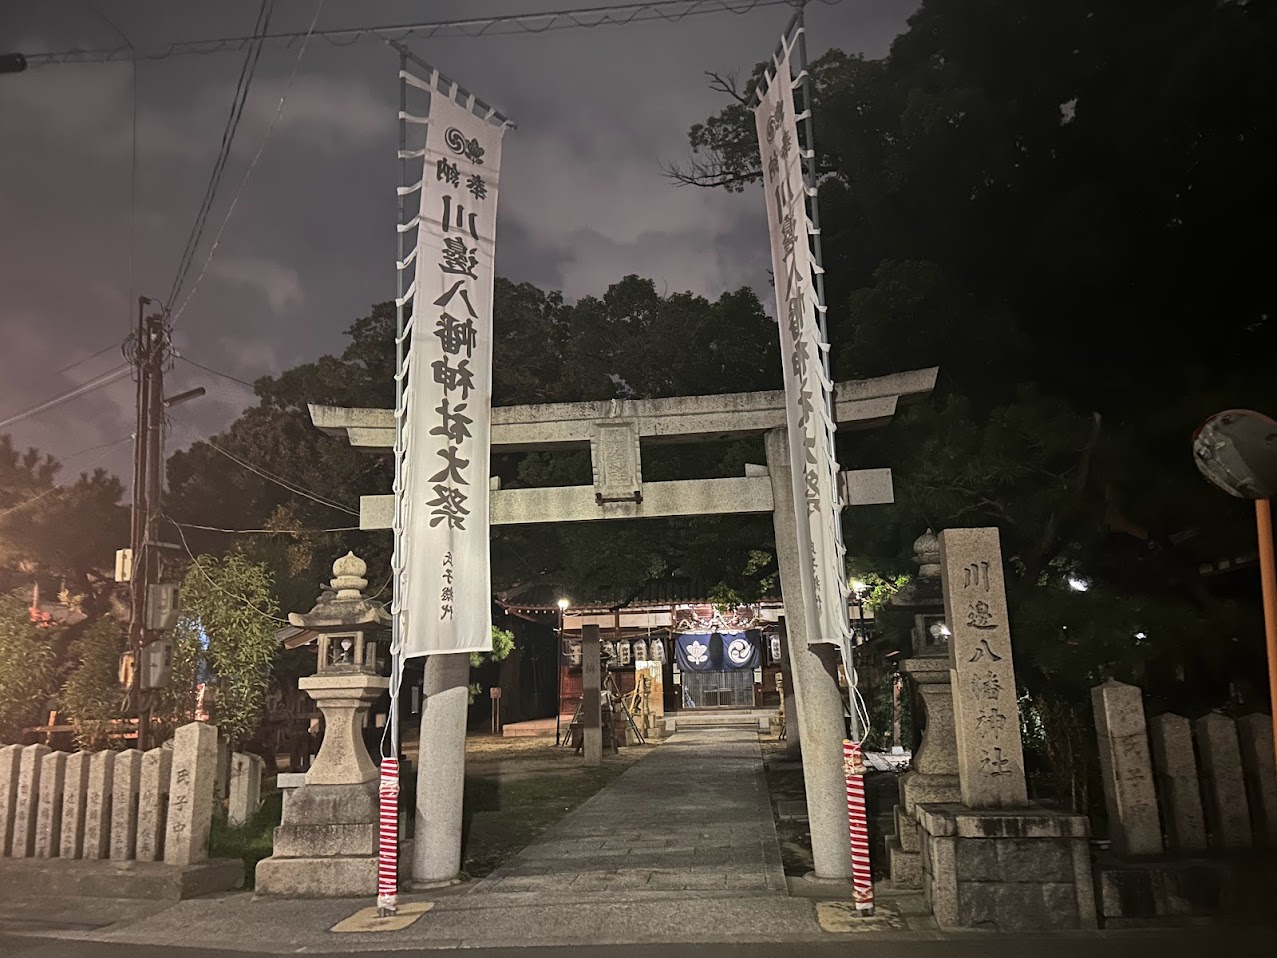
311	243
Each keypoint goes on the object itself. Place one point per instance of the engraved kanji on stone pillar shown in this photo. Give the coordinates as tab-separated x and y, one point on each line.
986	715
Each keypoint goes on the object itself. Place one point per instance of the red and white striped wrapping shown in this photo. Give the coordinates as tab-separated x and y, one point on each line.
388	841
862	882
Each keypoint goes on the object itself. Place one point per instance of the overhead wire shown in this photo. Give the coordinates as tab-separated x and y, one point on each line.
195	562
670	11
261	148
263	473
269	532
132	153
215	372
80	362
106	448
238	100
105	379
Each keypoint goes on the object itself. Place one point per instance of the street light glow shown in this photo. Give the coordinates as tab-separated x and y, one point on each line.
563	605
858	586
1078	584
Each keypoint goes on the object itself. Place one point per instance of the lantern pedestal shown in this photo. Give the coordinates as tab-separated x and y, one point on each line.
326	846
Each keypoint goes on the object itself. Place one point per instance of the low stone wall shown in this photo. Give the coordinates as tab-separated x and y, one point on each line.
154	806
1190	805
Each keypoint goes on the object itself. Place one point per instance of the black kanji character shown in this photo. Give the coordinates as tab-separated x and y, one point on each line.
451	472
773	167
458	258
455	336
449	505
454	377
461	217
788	229
455	425
446	298
478	189
445	594
447	172
445	612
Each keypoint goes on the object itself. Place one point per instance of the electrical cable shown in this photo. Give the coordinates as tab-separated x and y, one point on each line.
271	532
195	562
105	379
284	483
215	372
80	362
106	447
261	148
472	28
238	99
132	151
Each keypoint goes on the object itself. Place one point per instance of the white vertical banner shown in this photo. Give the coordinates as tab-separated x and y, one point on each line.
808	391
446	577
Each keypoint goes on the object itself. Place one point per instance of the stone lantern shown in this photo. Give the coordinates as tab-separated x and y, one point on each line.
327	843
934	773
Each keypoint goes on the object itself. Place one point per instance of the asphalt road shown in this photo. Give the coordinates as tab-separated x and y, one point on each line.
1162	944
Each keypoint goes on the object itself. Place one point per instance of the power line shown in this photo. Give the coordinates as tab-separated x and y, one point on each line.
119	372
265	532
132	147
238	99
216	372
80	362
284	483
106	447
279	110
247	602
670	11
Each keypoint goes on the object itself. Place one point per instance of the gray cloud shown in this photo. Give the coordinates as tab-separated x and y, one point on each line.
311	244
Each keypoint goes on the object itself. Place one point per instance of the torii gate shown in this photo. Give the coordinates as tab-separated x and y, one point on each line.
614	432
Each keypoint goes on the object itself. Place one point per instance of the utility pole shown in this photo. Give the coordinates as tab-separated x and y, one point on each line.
149	354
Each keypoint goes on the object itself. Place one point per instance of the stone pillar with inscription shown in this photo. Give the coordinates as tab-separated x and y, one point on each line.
992	860
985	713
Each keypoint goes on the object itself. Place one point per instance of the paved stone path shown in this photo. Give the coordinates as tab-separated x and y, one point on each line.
692	816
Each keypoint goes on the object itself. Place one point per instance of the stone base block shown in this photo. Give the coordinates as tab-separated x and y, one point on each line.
1171	890
345	877
919	789
906	867
333	805
325	841
71	878
1009	870
907	831
338	876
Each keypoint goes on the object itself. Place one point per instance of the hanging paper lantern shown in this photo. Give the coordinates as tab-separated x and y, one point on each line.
574	654
775	648
658	651
624	652
640	651
609	650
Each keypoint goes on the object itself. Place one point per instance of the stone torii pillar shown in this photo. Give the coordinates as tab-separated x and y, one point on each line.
813	670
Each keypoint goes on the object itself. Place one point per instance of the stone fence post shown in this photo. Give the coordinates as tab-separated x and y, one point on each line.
1126	769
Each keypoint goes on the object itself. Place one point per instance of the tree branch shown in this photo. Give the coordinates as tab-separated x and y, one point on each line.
727	84
708	175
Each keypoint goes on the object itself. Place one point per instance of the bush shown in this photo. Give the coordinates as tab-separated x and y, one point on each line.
26	668
92	695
